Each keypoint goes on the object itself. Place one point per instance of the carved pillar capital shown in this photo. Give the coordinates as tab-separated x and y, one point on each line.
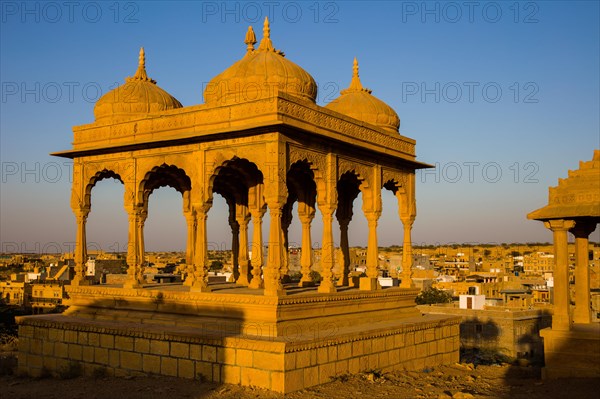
559	224
81	213
583	229
407	221
242	215
372	216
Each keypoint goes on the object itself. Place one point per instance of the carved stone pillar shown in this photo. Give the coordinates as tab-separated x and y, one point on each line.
235	243
272	273
561	319
371	282
134	263
347	192
306	213
257	248
242	218
286	220
344	261
80	254
201	266
327	250
190	220
141	220
407	258
407	209
582	313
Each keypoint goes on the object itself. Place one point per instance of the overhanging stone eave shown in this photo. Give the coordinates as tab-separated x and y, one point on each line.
254	128
569	212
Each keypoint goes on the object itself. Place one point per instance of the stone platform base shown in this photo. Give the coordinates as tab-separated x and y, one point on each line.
258	345
572	354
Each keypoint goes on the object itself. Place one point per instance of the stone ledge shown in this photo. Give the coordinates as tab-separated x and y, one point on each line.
221	338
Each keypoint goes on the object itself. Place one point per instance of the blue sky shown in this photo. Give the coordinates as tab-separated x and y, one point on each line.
502	96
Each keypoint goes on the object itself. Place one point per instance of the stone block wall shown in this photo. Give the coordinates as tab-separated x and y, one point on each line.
55	343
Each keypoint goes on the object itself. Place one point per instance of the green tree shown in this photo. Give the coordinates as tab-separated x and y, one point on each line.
433	295
216	266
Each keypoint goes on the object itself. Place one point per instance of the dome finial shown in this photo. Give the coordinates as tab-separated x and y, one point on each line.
141	74
266	28
250	39
355	84
265	43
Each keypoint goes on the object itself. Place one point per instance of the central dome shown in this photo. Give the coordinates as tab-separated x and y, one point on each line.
261	73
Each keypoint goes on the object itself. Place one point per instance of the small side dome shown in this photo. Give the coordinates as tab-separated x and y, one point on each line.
261	73
139	95
358	103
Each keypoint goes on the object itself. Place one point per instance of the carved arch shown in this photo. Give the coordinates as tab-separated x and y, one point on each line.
361	171
317	161
395	181
90	180
302	182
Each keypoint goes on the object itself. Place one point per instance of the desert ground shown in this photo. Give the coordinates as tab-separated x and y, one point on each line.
460	380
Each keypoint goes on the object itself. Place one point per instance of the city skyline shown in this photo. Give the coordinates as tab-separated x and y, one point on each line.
502	100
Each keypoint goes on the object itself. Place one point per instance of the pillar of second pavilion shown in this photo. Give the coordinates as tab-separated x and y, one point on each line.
561	318
582	313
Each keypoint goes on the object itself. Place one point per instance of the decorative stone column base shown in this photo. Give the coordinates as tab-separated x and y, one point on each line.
326	287
198	288
369	284
78	281
131	285
256	283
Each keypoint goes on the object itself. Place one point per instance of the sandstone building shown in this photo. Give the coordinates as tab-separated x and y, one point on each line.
260	141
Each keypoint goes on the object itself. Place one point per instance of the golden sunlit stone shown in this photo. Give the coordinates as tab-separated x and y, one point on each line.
261	73
262	143
571	345
359	103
